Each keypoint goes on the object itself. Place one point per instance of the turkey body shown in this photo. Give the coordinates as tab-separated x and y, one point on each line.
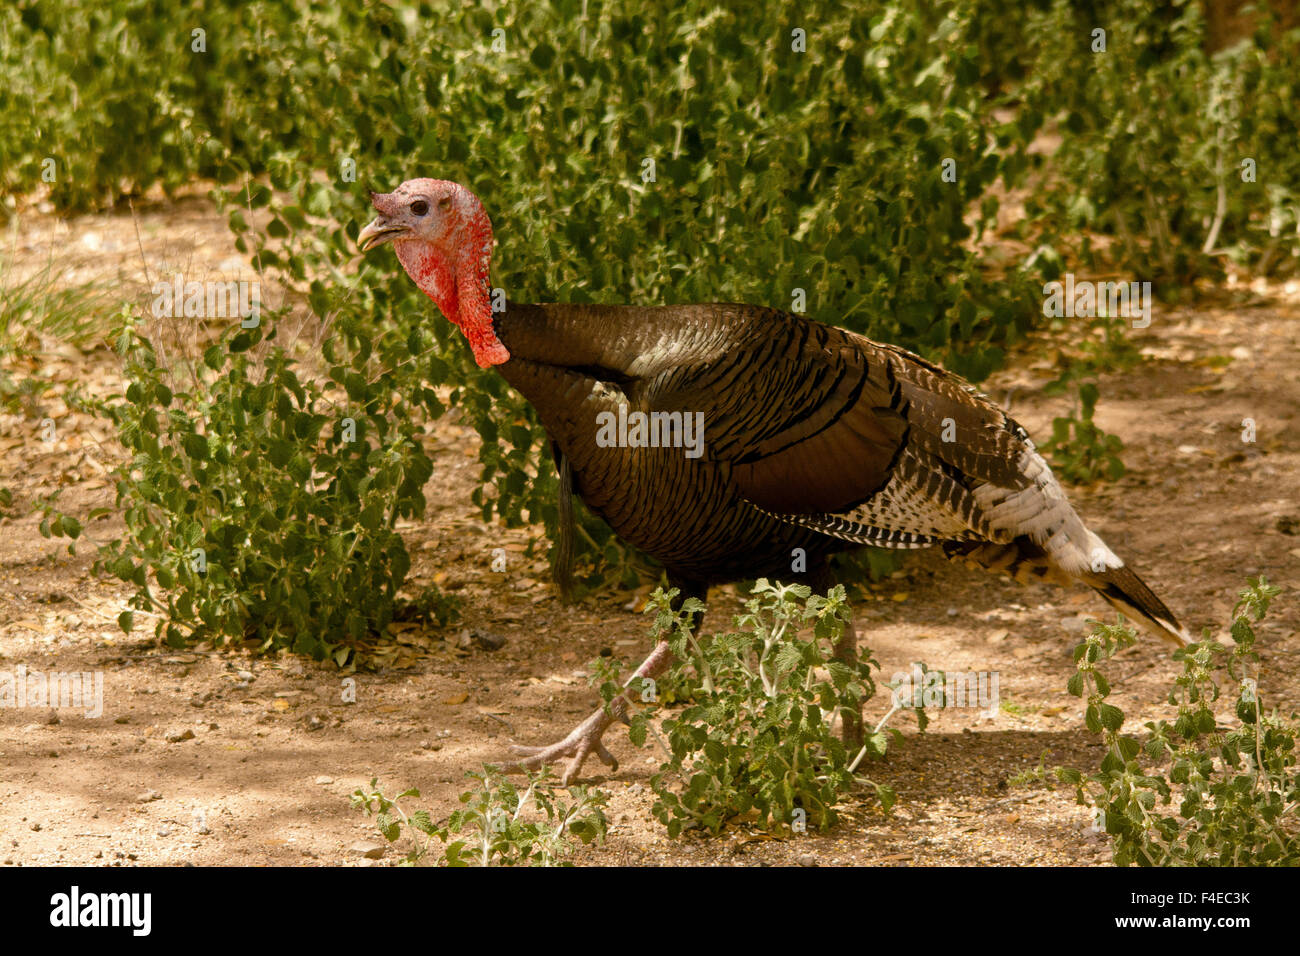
733	441
814	440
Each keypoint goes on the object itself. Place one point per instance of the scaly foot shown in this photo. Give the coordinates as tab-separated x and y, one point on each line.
578	746
585	739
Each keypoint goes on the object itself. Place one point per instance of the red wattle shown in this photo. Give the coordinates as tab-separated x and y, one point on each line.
488	349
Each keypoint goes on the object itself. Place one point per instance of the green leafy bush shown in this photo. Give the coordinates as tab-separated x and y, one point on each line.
1231	792
99	99
1151	171
756	742
259	504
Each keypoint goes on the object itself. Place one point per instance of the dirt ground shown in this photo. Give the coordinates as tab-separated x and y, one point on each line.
210	757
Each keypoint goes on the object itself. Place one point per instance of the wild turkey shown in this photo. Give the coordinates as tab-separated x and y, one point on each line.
815	439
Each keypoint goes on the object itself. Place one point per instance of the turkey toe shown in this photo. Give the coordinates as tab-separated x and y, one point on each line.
577	747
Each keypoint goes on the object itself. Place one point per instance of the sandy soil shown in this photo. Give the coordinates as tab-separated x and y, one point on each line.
220	758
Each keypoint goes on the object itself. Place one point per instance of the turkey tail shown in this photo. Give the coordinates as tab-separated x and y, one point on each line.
1026	562
1128	594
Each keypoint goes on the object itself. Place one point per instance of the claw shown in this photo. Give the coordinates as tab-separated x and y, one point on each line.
578	746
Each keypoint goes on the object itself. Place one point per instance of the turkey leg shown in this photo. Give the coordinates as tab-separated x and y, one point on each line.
846	651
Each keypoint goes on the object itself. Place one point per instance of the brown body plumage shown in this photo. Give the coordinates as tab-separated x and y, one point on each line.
814	438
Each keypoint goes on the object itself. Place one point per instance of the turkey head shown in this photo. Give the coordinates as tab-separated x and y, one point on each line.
443	239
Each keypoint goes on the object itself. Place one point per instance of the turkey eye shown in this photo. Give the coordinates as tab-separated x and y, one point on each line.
419	207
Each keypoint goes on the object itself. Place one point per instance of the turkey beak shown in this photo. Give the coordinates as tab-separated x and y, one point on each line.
378	232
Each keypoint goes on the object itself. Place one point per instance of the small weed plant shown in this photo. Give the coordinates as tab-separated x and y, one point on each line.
497	824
